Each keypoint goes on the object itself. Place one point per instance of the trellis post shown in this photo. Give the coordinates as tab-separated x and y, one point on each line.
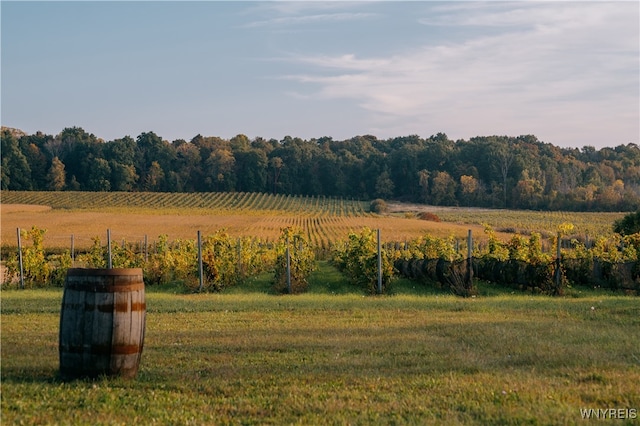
200	269
109	261
379	265
239	253
288	267
469	260
20	259
558	273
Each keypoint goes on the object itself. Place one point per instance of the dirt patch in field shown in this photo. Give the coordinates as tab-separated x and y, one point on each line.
395	207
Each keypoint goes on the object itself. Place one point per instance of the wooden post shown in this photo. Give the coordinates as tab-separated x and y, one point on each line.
239	252
109	262
288	267
20	260
200	269
73	248
379	265
469	275
146	248
558	255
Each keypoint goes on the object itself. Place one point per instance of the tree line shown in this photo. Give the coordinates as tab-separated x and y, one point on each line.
486	171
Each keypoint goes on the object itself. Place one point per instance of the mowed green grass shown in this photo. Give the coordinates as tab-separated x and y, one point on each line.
334	356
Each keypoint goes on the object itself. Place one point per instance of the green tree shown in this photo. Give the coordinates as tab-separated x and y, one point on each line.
38	163
300	176
16	173
276	164
155	177
122	151
331	175
99	178
220	169
121	155
251	170
403	167
423	182
56	176
188	166
469	186
443	189
150	148
384	185
78	151
123	176
505	158
240	143
527	193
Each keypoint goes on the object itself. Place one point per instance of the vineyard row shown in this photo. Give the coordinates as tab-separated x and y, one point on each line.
234	201
520	261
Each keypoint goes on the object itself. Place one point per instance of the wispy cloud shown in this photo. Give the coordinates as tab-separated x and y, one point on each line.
295	13
308	19
542	66
515	14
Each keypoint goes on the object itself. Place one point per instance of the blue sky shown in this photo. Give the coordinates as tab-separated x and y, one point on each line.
567	72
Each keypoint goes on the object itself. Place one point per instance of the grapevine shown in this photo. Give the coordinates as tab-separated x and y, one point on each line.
293	250
358	259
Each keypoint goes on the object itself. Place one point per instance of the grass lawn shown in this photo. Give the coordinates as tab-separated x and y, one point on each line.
334	356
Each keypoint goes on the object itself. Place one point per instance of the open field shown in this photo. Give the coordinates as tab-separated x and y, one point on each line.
133	224
519	221
130	216
330	356
419	357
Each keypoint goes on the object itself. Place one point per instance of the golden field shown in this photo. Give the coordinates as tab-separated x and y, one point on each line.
131	216
133	224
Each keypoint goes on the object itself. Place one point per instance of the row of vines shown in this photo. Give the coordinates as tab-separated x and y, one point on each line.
226	261
520	262
245	201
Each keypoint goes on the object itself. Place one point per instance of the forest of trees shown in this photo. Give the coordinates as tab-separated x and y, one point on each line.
495	171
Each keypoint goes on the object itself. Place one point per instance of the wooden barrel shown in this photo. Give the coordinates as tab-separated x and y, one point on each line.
102	323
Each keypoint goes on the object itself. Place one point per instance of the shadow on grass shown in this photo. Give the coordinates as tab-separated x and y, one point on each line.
31	375
51	376
328	280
